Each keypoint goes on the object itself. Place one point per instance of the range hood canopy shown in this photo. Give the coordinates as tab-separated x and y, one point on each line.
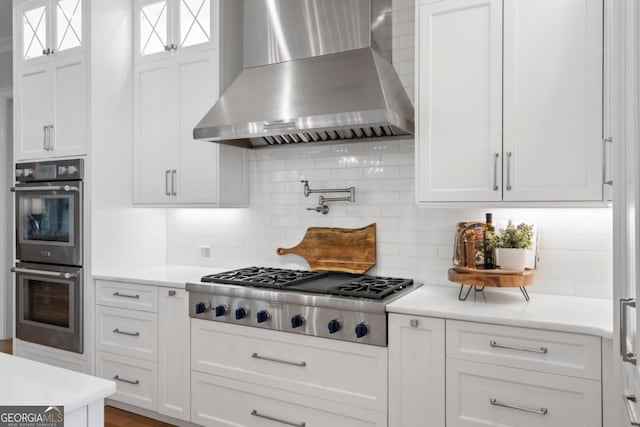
312	76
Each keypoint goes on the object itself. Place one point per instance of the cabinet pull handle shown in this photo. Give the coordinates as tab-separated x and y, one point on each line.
44	135
270	359
255	413
413	323
509	154
51	147
541	411
117	378
167	47
172	293
542	350
118	294
629	400
131	334
495	171
627	356
166	183
173	183
606	179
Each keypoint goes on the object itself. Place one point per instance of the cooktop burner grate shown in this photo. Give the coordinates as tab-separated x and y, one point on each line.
264	277
370	287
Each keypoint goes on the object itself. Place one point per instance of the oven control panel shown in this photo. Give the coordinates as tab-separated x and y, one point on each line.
56	170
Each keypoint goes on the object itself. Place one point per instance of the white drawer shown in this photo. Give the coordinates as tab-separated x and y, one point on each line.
534	349
127	295
221	402
127	332
349	373
526	396
136	380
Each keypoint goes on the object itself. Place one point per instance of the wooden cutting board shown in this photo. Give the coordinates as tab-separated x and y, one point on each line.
352	250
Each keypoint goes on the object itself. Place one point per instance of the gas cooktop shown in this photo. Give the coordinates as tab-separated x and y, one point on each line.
317	282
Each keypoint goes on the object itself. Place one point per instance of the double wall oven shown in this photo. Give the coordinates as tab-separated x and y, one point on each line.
49	276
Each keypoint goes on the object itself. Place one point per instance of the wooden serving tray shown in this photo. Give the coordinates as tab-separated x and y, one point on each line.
352	250
491	278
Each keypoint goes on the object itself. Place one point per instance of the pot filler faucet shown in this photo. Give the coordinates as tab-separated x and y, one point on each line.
322	200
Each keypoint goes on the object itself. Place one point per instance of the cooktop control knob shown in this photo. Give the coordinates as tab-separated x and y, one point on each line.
361	330
334	326
72	170
241	312
202	307
263	316
62	170
221	310
297	321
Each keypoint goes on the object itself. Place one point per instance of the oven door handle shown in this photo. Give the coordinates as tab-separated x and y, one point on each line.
45	188
44	273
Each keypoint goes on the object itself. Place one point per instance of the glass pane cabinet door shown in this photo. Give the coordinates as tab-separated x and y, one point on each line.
153	28
68	24
34	20
195	22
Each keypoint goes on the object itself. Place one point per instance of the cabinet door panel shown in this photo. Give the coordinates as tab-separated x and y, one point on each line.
34	110
553	99
416	371
69	134
154	131
174	356
32	31
459	101
196	179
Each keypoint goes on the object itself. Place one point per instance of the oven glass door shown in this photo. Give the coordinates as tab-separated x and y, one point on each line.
48	223
49	306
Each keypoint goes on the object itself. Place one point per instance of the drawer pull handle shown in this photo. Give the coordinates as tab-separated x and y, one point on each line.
542	350
277	420
122	380
118	294
131	334
271	359
541	411
627	356
629	400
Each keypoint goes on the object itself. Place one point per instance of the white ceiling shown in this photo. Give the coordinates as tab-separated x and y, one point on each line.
5	19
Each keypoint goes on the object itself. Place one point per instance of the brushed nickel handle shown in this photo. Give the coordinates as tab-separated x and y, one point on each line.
173	183
495	171
44	273
118	294
627	356
45	145
629	400
117	378
542	350
606	179
172	293
509	154
166	183
167	47
541	411
413	323
131	334
255	413
49	133
285	362
66	188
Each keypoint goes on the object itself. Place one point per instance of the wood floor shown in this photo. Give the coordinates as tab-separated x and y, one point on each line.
113	417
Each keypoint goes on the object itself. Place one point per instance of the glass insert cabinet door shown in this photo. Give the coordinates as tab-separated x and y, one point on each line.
46	219
167	26
49	27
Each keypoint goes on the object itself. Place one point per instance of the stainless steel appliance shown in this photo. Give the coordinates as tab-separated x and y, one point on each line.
317	71
343	306
49	242
49	212
49	305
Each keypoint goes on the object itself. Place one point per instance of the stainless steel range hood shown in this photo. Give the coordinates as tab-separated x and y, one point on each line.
317	71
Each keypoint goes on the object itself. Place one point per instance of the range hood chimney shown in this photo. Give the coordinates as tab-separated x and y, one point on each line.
316	71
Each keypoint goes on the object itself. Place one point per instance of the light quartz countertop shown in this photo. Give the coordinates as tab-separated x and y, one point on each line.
173	276
25	382
589	316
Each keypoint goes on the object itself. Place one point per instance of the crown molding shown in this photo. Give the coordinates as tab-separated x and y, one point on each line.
6	45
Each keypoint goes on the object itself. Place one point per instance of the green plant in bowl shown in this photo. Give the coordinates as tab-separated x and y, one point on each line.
511	244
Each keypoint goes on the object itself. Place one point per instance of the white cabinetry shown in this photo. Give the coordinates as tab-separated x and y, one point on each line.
142	342
293	378
50	79
176	80
522	124
416	371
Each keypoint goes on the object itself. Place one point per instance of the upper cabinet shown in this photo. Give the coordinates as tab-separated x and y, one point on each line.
177	79
509	109
165	28
50	79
